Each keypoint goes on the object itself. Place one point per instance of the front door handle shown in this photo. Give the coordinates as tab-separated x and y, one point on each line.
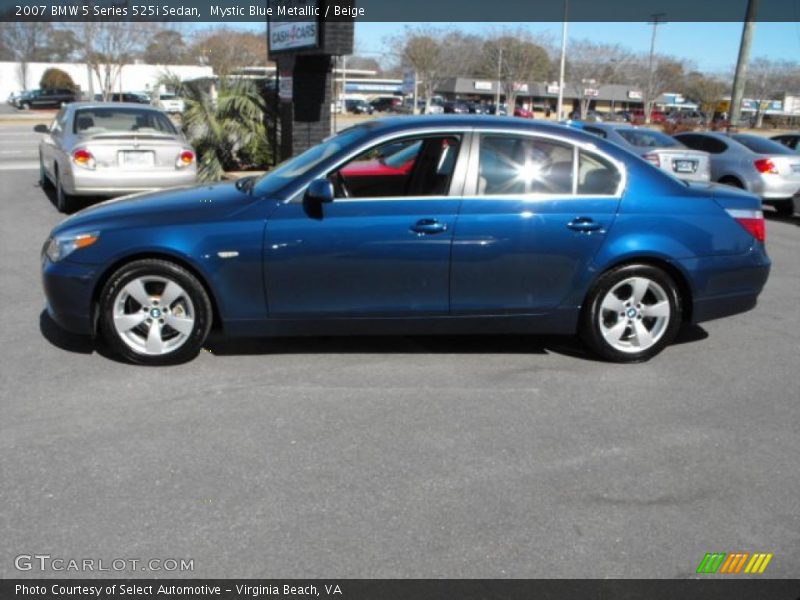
584	224
428	227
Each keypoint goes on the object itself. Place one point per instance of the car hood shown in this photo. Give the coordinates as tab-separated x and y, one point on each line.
177	205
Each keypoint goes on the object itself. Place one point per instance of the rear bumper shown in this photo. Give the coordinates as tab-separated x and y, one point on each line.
726	285
68	288
775	189
113	182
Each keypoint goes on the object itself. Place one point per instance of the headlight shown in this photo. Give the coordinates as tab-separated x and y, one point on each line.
61	246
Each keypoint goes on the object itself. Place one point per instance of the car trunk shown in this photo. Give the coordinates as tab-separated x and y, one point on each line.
133	152
684	163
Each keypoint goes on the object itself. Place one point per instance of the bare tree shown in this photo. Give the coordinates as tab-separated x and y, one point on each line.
108	46
590	64
767	79
24	42
515	60
669	75
706	91
226	50
421	50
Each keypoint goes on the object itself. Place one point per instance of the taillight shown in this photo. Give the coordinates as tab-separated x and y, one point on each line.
751	220
653	158
185	159
83	158
765	165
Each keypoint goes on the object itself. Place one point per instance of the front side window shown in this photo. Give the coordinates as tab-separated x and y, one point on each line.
524	165
411	167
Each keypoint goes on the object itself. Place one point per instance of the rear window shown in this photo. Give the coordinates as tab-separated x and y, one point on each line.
761	145
646	138
121	120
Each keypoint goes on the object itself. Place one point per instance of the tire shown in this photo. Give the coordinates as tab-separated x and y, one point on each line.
25	106
784	208
631	314
65	203
147	331
732	181
44	180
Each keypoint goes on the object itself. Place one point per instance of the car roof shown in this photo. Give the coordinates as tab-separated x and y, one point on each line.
77	105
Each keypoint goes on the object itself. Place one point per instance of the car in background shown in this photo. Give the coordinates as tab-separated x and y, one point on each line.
753	163
656	116
500	225
130	97
790	140
522	112
658	148
170	103
358	106
477	108
51	98
491	109
456	107
591	116
613	117
13	97
387	104
111	149
687	117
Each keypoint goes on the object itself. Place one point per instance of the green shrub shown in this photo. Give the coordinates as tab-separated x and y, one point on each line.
57	79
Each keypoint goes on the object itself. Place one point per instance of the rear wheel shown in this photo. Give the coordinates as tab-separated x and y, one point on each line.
631	314
154	312
732	181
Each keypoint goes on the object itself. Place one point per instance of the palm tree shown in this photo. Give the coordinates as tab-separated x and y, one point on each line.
228	131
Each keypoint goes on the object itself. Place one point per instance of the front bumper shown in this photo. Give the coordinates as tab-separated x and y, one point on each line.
100	182
68	288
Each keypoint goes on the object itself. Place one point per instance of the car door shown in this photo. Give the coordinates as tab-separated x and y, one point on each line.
52	142
538	210
364	255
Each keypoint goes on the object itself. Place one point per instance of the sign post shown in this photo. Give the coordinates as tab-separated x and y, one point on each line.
303	43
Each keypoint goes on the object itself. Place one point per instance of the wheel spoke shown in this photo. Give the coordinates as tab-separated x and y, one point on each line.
155	344
136	290
171	292
642	335
640	286
614	333
181	324
659	309
612	303
128	321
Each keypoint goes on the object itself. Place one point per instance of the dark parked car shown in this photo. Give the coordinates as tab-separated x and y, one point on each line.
130	97
358	107
387	104
51	98
497	225
456	107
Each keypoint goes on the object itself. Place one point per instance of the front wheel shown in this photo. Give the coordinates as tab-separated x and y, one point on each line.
631	314
154	312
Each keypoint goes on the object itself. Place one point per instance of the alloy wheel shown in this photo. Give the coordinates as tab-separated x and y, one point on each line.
634	314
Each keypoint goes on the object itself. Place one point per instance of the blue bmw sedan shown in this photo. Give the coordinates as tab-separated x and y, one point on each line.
415	226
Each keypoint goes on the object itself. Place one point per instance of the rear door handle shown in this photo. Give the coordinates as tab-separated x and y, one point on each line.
428	227
584	224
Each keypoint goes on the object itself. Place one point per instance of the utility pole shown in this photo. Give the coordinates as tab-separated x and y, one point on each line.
560	105
648	101
499	76
740	78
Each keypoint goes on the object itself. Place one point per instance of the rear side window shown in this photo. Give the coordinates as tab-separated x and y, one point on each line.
761	145
596	176
524	165
595	131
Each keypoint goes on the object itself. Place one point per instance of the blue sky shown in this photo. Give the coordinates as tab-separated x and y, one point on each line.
712	46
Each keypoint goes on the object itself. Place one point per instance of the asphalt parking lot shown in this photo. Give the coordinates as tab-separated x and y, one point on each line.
394	457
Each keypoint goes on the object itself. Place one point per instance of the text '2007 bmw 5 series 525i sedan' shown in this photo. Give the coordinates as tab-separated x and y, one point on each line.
482	225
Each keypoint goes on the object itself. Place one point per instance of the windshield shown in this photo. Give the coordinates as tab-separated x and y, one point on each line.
299	165
762	145
647	138
89	121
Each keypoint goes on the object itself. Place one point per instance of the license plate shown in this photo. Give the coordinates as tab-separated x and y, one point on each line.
136	159
684	166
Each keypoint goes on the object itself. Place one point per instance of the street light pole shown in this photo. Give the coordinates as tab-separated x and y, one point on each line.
648	104
560	106
499	75
740	78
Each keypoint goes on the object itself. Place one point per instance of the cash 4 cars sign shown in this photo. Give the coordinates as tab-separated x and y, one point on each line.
294	25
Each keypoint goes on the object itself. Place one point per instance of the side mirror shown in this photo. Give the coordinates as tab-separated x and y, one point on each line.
41	128
320	191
